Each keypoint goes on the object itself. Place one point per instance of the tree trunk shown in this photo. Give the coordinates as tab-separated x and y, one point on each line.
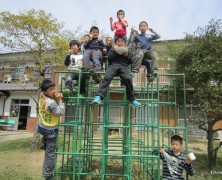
36	140
212	154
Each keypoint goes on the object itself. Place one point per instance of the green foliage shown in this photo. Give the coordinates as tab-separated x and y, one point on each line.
35	33
201	58
201	61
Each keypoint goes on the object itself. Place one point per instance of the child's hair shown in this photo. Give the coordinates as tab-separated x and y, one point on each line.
118	37
177	138
46	84
120	11
143	22
94	28
72	42
86	35
109	38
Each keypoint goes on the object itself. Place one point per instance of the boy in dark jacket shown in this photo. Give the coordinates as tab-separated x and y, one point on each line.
94	49
118	65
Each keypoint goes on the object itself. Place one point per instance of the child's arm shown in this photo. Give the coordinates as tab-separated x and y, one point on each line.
156	35
57	107
124	23
188	166
111	24
87	44
112	54
67	60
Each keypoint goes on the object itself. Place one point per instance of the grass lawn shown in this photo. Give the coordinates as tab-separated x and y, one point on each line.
17	163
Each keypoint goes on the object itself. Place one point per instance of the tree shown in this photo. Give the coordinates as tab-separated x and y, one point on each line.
33	32
200	58
37	34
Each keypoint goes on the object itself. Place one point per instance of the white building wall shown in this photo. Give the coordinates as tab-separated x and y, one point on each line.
22	95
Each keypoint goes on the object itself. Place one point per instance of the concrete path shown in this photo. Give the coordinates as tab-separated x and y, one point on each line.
12	135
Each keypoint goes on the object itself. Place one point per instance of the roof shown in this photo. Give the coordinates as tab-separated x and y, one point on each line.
18	87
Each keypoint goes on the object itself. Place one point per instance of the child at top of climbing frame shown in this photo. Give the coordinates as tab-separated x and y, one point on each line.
83	42
120	25
94	49
74	62
109	44
174	161
118	66
143	43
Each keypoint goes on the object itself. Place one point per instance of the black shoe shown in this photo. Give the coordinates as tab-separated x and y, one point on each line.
43	146
96	77
148	76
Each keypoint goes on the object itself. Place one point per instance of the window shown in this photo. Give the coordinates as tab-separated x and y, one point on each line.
17	69
190	111
48	71
20	101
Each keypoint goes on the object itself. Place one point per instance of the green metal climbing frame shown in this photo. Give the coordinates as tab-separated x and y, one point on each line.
113	140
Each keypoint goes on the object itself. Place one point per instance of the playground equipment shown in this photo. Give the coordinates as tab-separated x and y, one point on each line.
87	150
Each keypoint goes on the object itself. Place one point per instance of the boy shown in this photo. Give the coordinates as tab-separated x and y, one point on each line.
143	44
109	44
118	65
74	61
120	25
83	42
50	108
174	161
94	49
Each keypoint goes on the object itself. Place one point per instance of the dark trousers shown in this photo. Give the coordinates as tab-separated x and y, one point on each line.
83	81
50	153
141	58
124	73
92	55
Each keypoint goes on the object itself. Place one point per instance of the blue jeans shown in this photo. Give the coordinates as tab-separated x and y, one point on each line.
92	55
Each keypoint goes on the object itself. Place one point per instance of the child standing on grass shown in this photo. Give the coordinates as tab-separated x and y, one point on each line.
174	161
120	25
50	108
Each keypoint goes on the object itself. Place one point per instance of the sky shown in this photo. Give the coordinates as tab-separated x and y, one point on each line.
172	19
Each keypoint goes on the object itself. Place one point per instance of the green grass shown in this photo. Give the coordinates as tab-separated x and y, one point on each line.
201	167
18	163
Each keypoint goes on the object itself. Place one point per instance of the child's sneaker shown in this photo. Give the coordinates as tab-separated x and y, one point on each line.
135	103
155	72
97	100
148	76
95	77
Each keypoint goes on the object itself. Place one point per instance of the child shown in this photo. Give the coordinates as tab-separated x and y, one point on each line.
74	61
143	44
174	161
118	65
109	44
50	108
120	25
83	42
94	50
